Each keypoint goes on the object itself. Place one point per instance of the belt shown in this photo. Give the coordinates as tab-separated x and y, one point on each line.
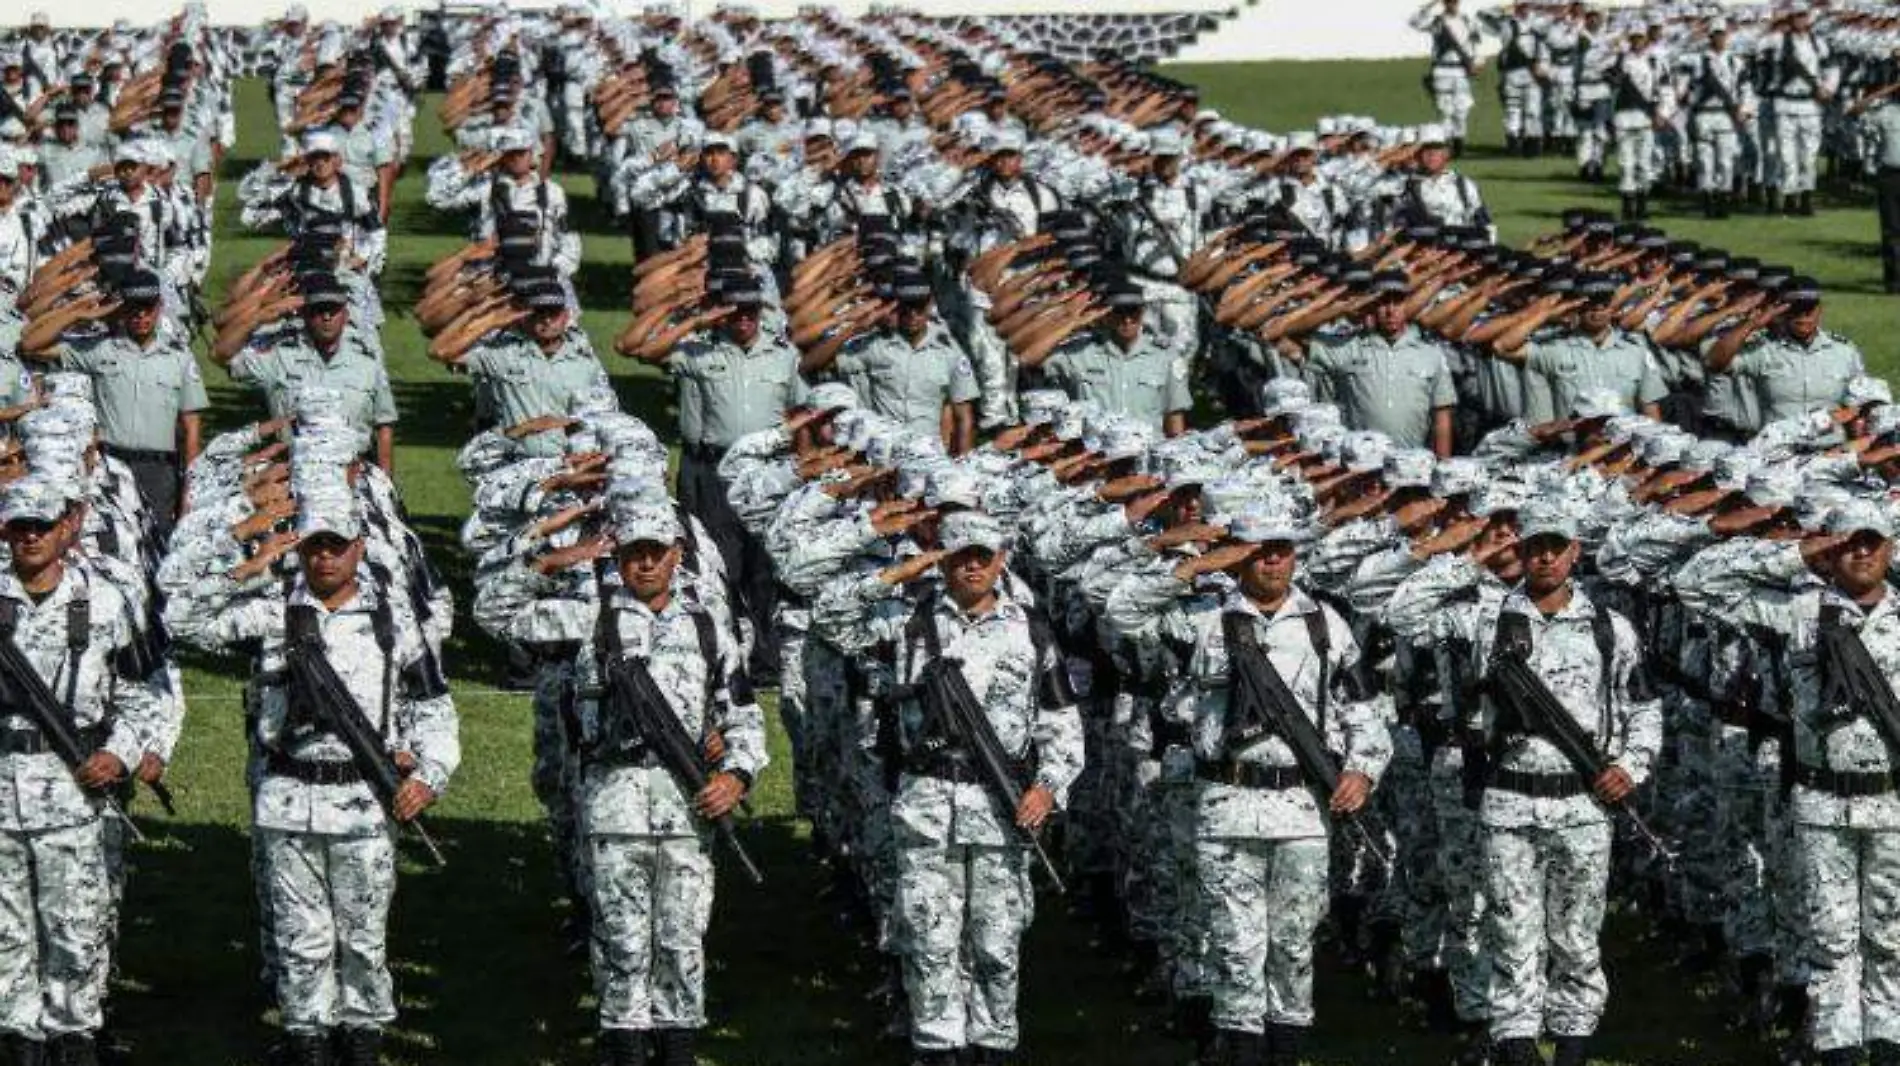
34	742
1845	783
312	773
142	455
1539	786
642	757
955	765
710	453
1249	775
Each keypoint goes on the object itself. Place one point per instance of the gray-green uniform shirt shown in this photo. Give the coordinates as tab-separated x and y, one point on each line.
1389	386
364	153
909	383
190	145
1567	364
726	391
1790	379
284	366
140	392
62	164
1147	382
518	381
1883	124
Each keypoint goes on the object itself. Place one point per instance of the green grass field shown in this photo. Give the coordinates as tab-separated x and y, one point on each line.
483	975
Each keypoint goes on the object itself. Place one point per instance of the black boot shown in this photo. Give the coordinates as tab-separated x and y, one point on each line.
1571	1051
623	1047
359	1047
1642	207
1883	1053
988	1056
1721	205
1348	911
1474	1044
1517	1051
1791	1008
1840	1056
1284	1043
1194	1020
1388	970
675	1047
1511	143
19	1051
72	1049
1533	147
1629	208
304	1049
935	1058
1432	989
1807	205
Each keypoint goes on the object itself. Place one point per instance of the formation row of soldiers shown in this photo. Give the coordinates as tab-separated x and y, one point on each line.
1738	105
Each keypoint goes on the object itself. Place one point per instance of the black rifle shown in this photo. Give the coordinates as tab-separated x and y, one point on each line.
957	719
1262	704
636	712
1513	683
24	691
1853	674
333	710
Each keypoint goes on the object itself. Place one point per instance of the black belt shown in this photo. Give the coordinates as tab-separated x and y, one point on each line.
709	453
1168	735
34	742
141	455
642	757
1540	786
1846	783
1249	775
312	773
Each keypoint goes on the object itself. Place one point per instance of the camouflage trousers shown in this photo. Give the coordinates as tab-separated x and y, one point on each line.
1264	901
329	913
54	931
791	714
1411	899
1851	880
1743	801
873	851
1174	803
1545	889
827	734
1460	855
554	776
653	900
962	911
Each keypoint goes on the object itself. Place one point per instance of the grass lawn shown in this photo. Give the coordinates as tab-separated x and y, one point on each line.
483	976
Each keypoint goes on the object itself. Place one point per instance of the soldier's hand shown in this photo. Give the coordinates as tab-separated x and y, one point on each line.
151	769
1188	533
1613	785
584	552
721	794
412	798
1350	796
911	569
1127	488
1220	558
714	749
1035	808
541	424
100	771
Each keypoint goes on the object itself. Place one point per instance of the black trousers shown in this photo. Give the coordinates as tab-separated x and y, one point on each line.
158	478
703	494
1887	199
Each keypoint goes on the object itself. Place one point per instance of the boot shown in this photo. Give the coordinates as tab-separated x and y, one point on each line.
19	1051
72	1049
1708	205
675	1047
1194	1020
1388	970
1642	207
1533	147
1517	1051
1432	989
1807	205
1284	1043
1629	208
623	1047
1571	1051
935	1058
1713	947
360	1047
988	1056
1721	205
1511	143
1840	1056
1246	1049
1474	1044
1347	913
1883	1053
1751	980
1791	1008
1771	201
308	1049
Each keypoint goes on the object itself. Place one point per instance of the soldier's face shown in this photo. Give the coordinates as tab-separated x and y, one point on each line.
913	319
325	166
518	163
646	567
326	325
1125	325
1804	323
141	320
329	562
1389	316
36	545
970	576
1434	159
1267	574
743	326
863	165
1167	167
8	187
1547	562
67	131
1007	165
718	161
1185	507
130	174
1860	566
666	106
549	325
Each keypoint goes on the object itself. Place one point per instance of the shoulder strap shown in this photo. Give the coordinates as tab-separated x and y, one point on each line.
1319	634
78	637
9	618
1603	631
704	628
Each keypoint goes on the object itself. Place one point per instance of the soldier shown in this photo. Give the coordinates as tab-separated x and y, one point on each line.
1781	355
648	840
19	243
335	638
1564	43
1520	51
1261	836
1546	839
71	625
732	382
1436	195
1124	367
1720	102
1387	376
1163	227
1588	354
146	380
963	878
323	192
1800	83
1595	97
65	159
509	193
901	361
327	352
1643	102
1882	118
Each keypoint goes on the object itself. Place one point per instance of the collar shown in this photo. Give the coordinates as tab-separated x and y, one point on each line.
71	579
1581	606
1297	603
366	599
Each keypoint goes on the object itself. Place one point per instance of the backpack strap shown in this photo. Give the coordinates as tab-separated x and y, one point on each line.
706	632
382	621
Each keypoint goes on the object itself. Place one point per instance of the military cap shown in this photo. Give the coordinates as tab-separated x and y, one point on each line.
1773	487
1407	468
1596	285
1123	295
1007	140
1860	516
512	139
1391	283
172	99
1592	404
352	100
1744	268
863	141
910	286
36	498
1457	476
332	511
716	140
646	520
141	287
1433	135
1544	517
66	112
1166	142
947	484
742	291
1802	291
9	164
1862	389
1040	406
818	127
545	296
322	291
1268	520
1279	396
965	530
321	142
1498	497
1364	451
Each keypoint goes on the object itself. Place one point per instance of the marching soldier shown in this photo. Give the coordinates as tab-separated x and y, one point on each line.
1454	63
1720	104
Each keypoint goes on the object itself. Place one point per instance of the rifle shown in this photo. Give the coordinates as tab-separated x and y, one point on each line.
960	722
1518	687
635	708
1855	675
1262	704
333	707
26	692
